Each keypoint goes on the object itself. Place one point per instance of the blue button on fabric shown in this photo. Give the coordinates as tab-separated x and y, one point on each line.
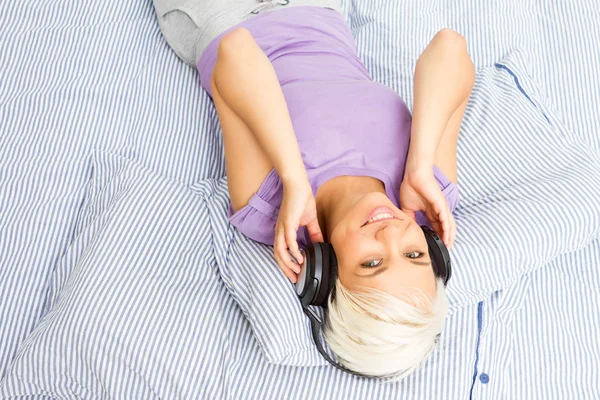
484	378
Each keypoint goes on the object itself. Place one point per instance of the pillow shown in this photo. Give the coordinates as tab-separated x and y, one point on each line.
530	191
136	300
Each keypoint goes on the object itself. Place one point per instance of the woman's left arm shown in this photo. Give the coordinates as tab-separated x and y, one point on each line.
444	77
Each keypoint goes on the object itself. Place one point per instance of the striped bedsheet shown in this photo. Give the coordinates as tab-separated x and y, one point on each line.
82	76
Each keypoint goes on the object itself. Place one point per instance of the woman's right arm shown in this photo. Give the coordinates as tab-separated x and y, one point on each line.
246	81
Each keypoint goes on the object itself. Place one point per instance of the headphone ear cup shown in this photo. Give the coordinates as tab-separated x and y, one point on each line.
440	257
333	271
328	272
318	275
307	284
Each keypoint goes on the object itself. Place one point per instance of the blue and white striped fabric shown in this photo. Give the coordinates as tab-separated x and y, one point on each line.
539	337
558	39
79	76
136	307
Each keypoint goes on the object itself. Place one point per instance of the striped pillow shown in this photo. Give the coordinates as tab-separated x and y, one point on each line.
136	304
266	297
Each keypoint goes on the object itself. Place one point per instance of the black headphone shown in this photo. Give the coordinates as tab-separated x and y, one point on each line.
319	273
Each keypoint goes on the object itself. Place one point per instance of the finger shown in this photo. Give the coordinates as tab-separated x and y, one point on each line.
314	231
434	221
450	233
292	244
453	230
410	213
436	227
285	261
280	262
442	211
290	275
282	252
282	249
286	271
276	256
448	228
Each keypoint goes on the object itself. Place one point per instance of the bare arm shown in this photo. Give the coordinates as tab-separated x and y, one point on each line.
248	91
247	82
444	77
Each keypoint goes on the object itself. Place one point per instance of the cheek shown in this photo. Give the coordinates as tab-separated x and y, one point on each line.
349	252
348	247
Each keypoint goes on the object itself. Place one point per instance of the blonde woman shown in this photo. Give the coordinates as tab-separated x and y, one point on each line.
317	151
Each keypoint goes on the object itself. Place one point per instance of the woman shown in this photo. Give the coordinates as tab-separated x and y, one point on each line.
317	151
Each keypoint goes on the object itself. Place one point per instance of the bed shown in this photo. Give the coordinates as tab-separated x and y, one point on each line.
120	277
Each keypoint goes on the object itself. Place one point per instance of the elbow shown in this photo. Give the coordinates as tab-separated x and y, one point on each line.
451	40
454	46
234	54
235	45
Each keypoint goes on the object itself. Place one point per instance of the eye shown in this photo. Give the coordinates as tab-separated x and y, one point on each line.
372	263
414	254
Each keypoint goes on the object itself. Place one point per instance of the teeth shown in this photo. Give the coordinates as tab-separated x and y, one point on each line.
380	216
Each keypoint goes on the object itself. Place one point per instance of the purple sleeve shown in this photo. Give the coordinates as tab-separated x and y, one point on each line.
255	220
449	190
258	218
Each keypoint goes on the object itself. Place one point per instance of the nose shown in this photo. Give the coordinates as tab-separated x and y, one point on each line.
392	233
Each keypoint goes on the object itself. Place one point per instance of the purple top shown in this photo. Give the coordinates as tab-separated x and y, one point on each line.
345	123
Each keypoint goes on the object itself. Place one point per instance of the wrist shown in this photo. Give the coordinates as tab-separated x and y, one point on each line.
423	145
293	176
418	163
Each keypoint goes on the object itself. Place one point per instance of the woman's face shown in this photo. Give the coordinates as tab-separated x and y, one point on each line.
389	254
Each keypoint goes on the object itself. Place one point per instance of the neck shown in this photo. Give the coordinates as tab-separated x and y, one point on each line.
336	197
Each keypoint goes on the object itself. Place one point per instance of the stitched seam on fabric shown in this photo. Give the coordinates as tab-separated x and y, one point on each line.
479	324
516	79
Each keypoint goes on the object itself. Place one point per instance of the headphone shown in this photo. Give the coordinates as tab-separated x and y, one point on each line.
319	273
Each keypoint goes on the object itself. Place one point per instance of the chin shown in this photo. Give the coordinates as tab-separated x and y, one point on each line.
361	210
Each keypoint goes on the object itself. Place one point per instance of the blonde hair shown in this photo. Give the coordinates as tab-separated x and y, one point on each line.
375	333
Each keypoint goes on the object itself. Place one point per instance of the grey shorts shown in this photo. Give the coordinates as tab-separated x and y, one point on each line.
190	25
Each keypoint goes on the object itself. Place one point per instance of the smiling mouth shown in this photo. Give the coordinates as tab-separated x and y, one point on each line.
380	214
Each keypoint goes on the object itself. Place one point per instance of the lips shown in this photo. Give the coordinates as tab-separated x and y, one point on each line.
379	214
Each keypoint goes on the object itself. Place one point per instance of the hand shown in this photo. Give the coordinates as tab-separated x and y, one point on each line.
298	208
419	191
